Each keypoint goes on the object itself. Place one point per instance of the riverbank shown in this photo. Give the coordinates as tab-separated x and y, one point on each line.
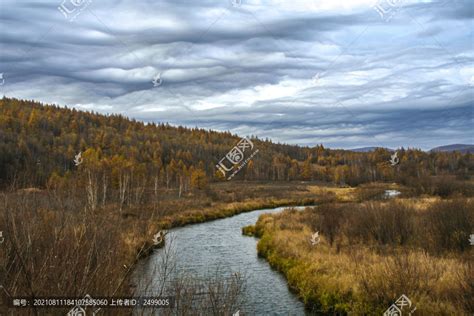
100	247
217	212
217	249
67	248
369	254
271	197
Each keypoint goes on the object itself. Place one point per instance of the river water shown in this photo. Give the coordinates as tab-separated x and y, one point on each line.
220	246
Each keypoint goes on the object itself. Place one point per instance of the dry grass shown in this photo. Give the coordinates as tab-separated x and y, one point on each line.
340	194
66	252
365	276
56	246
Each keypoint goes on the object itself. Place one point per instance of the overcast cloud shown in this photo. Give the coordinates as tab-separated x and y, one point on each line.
303	72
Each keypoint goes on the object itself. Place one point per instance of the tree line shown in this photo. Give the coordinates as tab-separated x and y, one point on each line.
38	144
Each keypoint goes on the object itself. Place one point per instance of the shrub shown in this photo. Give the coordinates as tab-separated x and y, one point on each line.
369	192
327	219
448	224
248	230
384	223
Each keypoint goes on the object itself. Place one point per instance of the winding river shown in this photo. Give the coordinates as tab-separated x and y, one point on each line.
220	246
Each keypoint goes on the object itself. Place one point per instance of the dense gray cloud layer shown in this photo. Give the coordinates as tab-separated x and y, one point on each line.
303	72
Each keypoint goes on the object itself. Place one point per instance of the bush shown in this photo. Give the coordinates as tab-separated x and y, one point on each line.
365	193
327	219
446	186
448	224
443	186
385	223
248	230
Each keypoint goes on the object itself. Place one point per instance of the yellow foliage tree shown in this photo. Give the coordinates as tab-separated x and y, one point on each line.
199	179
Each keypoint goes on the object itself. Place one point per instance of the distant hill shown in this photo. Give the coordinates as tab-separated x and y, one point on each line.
39	140
367	149
40	143
464	148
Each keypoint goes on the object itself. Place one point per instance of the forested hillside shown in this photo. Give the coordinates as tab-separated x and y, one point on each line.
38	144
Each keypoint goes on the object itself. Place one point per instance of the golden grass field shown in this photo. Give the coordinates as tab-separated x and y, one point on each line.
365	278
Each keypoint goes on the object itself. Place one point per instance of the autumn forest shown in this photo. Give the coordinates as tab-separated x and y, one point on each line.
39	143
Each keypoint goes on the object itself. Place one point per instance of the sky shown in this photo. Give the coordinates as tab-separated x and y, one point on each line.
343	73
